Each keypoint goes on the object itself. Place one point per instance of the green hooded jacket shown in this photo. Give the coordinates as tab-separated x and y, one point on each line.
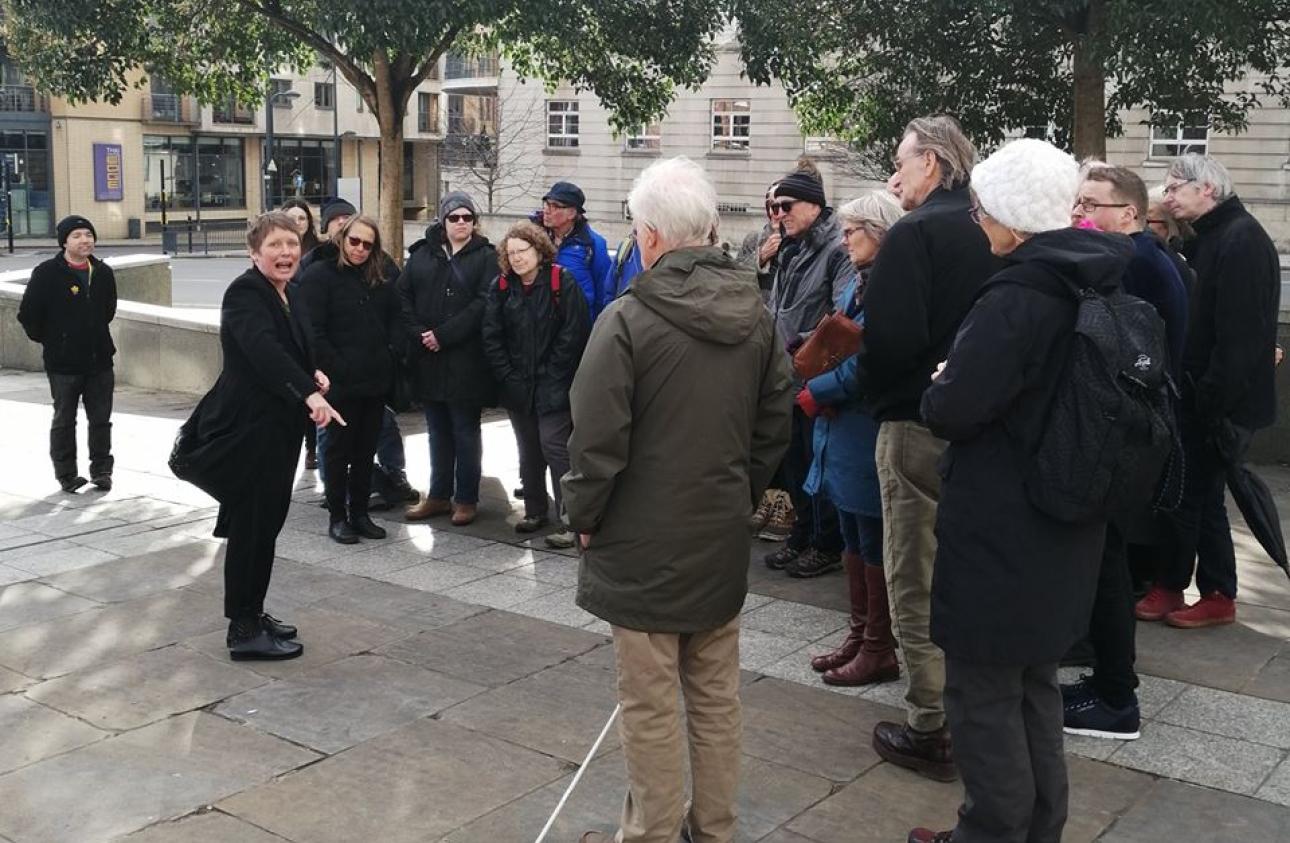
681	412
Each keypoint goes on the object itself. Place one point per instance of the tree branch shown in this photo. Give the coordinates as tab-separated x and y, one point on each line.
272	11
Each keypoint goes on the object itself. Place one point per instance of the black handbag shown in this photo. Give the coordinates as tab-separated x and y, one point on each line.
208	462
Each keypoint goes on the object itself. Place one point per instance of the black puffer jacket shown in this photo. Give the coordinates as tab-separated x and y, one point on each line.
71	323
1010	584
534	346
448	296
354	325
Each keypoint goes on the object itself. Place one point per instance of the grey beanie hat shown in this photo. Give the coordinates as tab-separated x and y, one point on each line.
454	200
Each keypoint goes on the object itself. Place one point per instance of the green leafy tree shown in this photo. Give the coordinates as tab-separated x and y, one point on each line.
630	53
860	69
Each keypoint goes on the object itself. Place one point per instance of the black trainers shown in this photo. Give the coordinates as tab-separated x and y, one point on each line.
1077	689
814	563
72	484
1086	714
103	482
782	558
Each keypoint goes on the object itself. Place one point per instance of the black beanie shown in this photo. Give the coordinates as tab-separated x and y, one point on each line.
336	208
801	186
69	224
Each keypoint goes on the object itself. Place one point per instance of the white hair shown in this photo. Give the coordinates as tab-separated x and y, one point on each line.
875	212
1203	170
676	198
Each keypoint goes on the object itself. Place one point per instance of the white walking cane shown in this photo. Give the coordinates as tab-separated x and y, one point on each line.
578	776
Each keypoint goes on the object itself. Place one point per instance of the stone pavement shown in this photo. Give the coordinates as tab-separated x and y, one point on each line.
450	687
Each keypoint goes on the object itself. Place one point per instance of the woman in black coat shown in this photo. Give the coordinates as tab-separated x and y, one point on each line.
443	291
536	325
243	440
354	313
1012	587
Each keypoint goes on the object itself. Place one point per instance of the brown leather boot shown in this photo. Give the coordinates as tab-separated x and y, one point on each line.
876	661
926	753
463	514
428	507
859	599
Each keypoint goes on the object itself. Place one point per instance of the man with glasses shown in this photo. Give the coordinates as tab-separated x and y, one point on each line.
579	248
923	282
1227	383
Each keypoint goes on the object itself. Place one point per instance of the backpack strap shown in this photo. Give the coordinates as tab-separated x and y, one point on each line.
502	283
556	269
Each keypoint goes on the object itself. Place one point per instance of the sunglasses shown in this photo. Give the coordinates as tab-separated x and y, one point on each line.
783	206
460	218
360	243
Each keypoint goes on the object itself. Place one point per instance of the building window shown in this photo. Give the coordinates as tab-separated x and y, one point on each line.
458	66
409	170
280	86
229	110
200	172
27	152
1179	140
358	99
731	124
324	95
470	114
646	138
562	124
304	170
427	112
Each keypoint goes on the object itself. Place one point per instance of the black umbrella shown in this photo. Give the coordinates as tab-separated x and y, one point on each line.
1252	496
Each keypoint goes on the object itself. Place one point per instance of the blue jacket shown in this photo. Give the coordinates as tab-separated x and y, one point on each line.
622	269
844	467
1152	277
586	256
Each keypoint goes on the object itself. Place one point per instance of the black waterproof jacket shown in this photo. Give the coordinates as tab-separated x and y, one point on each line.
448	296
1010	584
1232	331
70	322
355	326
534	345
923	282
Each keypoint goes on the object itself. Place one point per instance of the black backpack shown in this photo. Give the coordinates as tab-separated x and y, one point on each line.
1110	444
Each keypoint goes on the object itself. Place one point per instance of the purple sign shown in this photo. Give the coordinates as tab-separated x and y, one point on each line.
108	184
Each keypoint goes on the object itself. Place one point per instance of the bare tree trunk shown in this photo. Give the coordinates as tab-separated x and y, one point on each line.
389	116
1090	87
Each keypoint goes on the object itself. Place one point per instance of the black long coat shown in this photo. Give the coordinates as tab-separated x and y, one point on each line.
1012	585
448	296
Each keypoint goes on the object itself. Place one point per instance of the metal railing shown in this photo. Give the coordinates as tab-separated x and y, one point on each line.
20	98
192	237
469	67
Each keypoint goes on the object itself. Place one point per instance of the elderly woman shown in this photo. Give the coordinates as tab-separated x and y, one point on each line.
243	441
536	325
1012	586
443	291
844	467
355	317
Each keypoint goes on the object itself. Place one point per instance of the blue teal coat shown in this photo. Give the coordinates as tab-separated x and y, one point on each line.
844	467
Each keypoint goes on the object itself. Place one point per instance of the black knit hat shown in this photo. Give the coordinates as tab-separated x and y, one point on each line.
336	208
801	186
69	224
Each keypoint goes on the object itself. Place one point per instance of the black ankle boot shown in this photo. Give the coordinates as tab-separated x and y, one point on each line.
248	639
366	527
277	628
341	531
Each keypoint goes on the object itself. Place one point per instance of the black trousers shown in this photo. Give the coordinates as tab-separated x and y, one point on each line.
251	523
68	392
1203	534
543	442
1006	725
816	521
349	454
1113	628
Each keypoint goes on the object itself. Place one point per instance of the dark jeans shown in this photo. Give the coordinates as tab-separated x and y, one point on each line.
816	521
349	456
543	441
389	446
862	534
1113	628
1203	534
1006	724
69	391
456	451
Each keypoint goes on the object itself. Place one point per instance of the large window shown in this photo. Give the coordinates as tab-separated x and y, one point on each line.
28	155
200	172
280	86
304	170
427	112
731	124
647	138
470	114
1179	140
229	110
562	124
324	95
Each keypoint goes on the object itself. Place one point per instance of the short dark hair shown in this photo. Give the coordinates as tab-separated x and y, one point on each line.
1126	186
261	226
532	234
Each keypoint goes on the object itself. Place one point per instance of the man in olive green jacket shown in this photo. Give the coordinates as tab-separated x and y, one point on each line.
681	411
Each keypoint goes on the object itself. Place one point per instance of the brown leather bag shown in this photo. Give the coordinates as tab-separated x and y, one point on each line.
834	339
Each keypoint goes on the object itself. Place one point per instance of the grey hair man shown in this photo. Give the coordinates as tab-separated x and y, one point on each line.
681	411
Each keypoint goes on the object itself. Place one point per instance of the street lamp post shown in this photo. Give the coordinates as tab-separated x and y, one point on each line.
335	133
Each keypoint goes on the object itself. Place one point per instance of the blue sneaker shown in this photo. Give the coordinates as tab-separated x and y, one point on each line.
1086	714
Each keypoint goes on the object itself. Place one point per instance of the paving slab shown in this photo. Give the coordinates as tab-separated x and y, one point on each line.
794	620
1234	715
137	540
1099	794
124	783
1273	679
559	711
1175	811
549	568
337	705
54	557
759	649
437	575
500	591
139	576
30	732
826	735
881	807
494	648
12	575
1210	760
144	687
31	602
63	645
396	606
499	558
796	667
11	681
559	606
207	827
783	835
68	522
1277	787
415	784
1226	657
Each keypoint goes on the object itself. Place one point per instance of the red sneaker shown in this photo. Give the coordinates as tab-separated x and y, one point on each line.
1213	609
926	835
1158	603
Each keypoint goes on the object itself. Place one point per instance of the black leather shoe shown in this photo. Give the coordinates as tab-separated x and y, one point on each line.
104	482
72	484
366	527
249	640
927	753
531	523
277	628
340	531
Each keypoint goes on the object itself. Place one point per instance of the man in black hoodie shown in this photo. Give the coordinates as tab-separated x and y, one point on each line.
66	307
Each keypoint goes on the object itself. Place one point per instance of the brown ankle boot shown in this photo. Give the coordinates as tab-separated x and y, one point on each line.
876	661
859	604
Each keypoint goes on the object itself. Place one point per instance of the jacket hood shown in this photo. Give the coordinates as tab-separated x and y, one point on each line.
702	292
1090	259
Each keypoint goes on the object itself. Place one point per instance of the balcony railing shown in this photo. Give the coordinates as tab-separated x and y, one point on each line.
22	98
169	108
468	67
